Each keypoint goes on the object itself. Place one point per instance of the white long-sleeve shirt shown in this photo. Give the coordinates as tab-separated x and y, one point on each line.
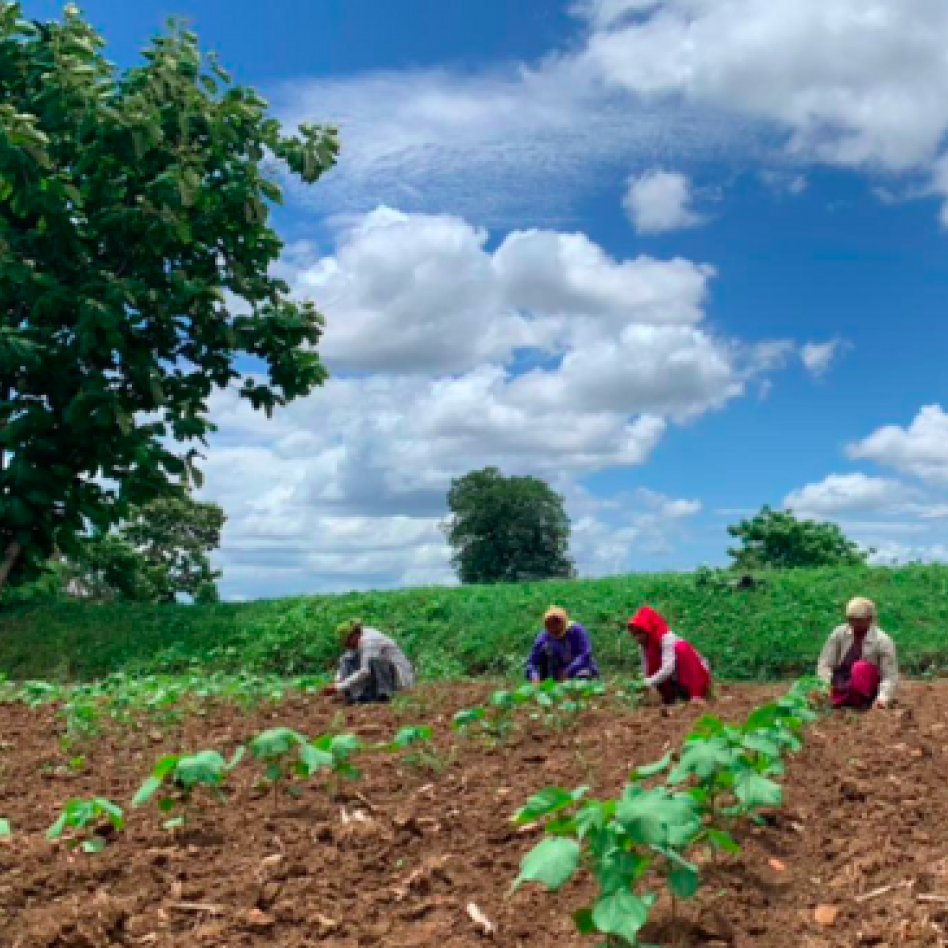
667	668
375	644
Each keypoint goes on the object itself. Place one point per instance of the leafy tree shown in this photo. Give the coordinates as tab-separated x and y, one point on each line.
174	536
507	529
159	553
135	271
777	539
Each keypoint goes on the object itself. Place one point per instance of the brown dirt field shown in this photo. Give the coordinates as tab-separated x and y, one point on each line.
864	830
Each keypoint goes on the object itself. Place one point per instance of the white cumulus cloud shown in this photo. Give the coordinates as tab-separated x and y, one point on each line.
846	493
921	449
544	356
818	357
660	201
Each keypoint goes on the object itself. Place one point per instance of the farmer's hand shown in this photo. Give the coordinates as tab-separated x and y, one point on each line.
535	679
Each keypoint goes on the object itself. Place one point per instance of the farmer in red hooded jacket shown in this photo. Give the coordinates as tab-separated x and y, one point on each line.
669	663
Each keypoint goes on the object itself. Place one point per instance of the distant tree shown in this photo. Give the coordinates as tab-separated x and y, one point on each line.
136	274
159	554
175	536
507	529
777	539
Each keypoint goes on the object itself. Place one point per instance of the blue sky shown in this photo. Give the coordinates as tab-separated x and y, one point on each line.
679	257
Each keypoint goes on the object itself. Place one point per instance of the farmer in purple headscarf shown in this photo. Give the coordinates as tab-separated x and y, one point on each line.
562	650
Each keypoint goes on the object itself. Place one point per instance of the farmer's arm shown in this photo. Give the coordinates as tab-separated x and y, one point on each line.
533	661
667	668
888	670
369	648
583	645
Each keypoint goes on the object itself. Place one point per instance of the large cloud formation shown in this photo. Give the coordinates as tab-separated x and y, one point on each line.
543	355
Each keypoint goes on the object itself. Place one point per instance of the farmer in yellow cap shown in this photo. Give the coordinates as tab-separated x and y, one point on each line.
372	667
859	662
563	650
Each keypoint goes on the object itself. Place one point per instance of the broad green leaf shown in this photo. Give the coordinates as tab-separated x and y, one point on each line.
650	770
761	744
683	882
619	869
702	759
594	816
551	862
314	759
411	735
754	790
276	742
656	817
342	745
165	766
205	767
622	913
548	801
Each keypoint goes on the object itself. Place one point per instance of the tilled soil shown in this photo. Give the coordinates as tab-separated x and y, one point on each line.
397	858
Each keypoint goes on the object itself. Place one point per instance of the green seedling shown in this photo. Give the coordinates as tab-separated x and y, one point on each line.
416	740
619	842
624	842
82	722
565	701
5	829
410	736
632	693
286	753
178	777
467	718
87	819
340	748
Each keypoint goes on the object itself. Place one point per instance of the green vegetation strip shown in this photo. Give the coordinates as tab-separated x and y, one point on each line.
772	631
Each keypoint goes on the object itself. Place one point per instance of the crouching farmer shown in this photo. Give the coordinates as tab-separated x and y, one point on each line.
859	662
562	651
372	668
671	665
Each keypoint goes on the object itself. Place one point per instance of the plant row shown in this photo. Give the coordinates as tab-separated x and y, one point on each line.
285	756
667	814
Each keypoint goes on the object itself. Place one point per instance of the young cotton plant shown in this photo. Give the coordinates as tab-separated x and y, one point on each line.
177	778
286	753
89	821
619	842
564	701
415	743
496	720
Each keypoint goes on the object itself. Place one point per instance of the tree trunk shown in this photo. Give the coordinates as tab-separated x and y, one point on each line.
10	556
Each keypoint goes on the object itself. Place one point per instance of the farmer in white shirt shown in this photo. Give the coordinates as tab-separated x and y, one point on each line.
859	662
372	668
